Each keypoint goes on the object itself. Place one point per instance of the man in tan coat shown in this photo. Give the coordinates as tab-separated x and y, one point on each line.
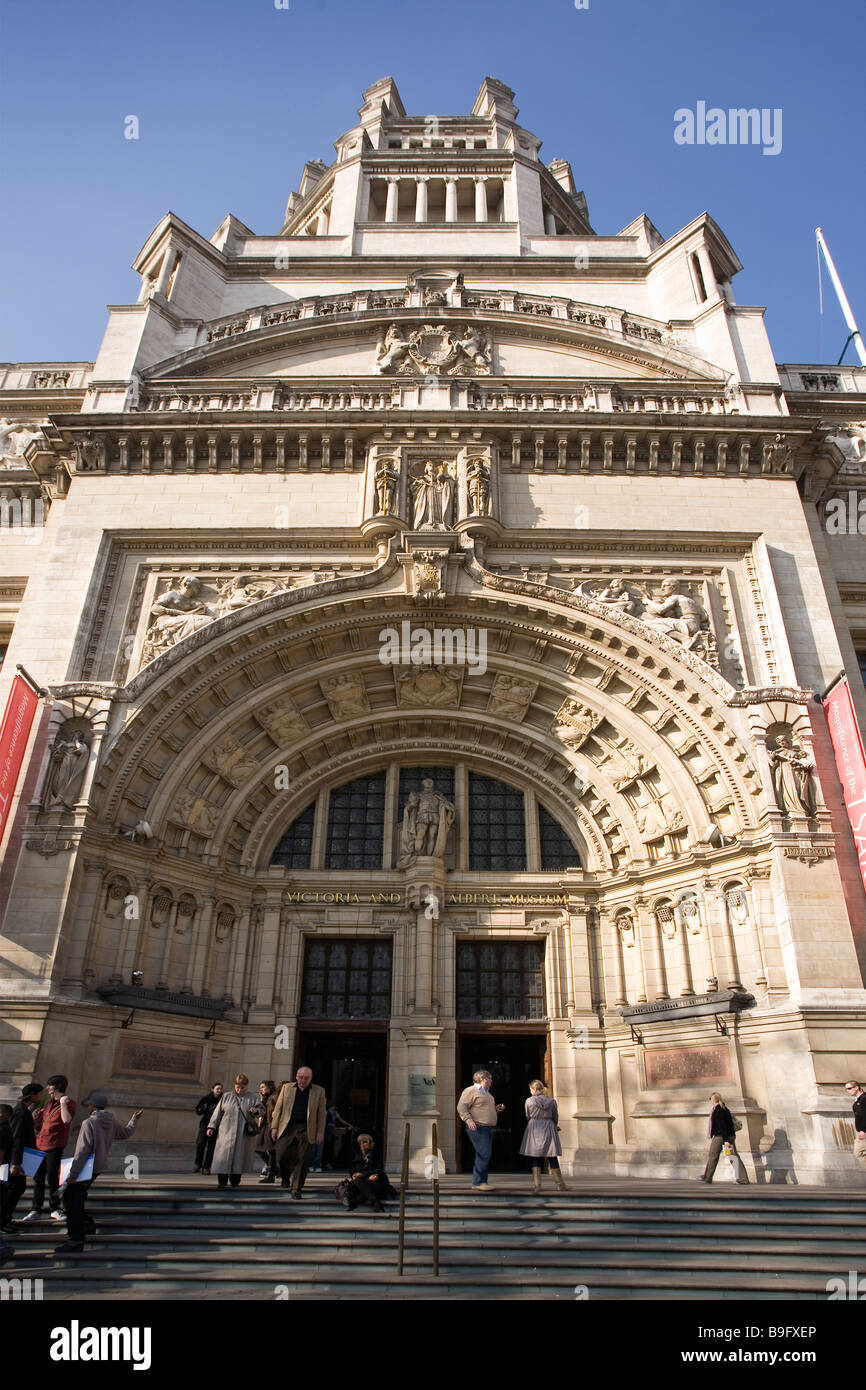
479	1112
297	1123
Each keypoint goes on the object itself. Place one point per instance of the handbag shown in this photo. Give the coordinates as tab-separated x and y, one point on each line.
738	1124
250	1128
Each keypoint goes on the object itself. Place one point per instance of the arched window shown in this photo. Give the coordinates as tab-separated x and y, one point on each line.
557	850
294	849
497	826
356	818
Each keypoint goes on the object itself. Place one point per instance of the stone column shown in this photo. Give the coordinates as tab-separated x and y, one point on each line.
683	943
481	199
641	942
450	200
168	263
392	200
265	965
710	283
616	957
421	199
549	223
201	947
722	935
322	222
657	985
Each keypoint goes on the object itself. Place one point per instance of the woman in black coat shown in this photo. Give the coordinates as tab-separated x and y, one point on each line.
722	1132
368	1182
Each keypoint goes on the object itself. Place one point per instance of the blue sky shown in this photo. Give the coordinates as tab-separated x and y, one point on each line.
233	96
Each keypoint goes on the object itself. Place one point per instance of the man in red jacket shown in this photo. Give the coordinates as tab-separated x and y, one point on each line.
52	1123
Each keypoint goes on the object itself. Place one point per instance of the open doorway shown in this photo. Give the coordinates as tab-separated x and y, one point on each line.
352	1066
514	1059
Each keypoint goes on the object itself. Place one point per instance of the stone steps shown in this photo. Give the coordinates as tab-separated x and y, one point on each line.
164	1242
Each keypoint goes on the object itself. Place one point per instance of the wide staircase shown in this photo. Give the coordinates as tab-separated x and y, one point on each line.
178	1237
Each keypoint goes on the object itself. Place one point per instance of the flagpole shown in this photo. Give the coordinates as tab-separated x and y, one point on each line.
855	335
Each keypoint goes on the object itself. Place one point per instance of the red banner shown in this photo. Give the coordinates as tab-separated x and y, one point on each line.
14	733
850	761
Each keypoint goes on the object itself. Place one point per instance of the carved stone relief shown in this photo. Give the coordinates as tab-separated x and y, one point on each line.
672	610
510	697
282	721
575	722
196	813
428	686
434	350
232	761
346	696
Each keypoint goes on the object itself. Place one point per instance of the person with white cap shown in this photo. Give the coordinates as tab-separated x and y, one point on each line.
95	1139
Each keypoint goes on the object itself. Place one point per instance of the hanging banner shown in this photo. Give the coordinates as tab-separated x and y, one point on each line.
850	762
14	733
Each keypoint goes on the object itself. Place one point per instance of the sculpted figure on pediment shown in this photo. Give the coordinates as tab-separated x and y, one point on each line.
677	614
616	593
243	589
391	348
476	346
176	614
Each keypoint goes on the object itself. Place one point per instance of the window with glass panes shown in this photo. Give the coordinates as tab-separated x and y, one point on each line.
500	979
346	979
497	827
294	849
557	850
412	777
356	817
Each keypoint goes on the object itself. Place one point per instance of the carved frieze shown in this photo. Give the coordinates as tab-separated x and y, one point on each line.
510	697
575	722
346	696
232	761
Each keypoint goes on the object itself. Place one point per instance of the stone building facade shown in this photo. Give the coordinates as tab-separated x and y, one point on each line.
433	598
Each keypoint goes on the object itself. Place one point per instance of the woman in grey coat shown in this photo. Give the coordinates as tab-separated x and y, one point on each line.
541	1138
233	1149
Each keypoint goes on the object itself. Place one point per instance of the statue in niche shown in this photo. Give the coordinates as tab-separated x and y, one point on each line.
793	777
67	765
478	487
432	496
676	614
387	481
176	614
427	818
391	348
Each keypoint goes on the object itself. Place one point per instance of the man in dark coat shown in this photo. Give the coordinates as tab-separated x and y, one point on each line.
23	1137
858	1095
204	1146
6	1251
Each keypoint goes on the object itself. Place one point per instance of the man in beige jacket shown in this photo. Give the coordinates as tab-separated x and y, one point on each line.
297	1123
479	1112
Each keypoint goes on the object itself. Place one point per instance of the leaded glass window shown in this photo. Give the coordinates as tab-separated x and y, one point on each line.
497	829
557	850
346	979
500	980
356	816
294	849
412	777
